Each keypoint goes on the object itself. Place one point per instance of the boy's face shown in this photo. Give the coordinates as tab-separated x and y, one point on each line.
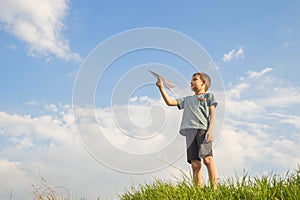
196	83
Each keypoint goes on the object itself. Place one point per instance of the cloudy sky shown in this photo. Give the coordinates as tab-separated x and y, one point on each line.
79	108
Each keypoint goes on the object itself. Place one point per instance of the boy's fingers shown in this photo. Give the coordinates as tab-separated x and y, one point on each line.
159	82
206	136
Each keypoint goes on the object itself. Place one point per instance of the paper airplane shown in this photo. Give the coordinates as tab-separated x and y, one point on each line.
166	82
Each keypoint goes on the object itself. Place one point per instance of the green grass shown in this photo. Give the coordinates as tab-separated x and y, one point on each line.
266	187
274	187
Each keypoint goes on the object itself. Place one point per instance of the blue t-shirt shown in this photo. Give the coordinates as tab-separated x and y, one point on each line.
196	111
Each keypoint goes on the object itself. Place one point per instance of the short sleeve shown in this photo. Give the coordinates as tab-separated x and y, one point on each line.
180	103
211	100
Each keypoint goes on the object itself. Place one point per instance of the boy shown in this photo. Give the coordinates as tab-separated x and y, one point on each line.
197	125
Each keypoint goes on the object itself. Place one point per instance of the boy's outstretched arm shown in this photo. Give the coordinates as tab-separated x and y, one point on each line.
212	114
164	94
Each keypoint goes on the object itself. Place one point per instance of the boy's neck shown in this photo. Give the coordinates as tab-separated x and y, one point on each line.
200	92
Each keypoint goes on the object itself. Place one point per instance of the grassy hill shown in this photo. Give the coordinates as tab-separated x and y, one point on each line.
265	187
275	187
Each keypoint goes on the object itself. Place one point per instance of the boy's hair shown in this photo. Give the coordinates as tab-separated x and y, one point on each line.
204	77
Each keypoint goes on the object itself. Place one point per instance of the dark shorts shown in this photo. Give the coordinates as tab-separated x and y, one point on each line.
197	147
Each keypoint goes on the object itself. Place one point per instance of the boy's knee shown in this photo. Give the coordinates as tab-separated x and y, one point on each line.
196	165
207	160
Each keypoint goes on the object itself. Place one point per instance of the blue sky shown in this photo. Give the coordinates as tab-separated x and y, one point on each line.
44	44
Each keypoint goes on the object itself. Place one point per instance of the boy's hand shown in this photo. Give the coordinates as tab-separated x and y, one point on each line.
209	137
159	83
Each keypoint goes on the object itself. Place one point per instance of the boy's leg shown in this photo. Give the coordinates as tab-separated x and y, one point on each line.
212	170
197	172
193	155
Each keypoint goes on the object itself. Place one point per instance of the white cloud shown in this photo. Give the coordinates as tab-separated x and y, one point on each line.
233	54
259	108
260	92
253	74
250	146
13	178
49	145
289	119
235	92
38	23
239	53
32	103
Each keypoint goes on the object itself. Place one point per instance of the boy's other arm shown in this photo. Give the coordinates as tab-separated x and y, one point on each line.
212	116
164	94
